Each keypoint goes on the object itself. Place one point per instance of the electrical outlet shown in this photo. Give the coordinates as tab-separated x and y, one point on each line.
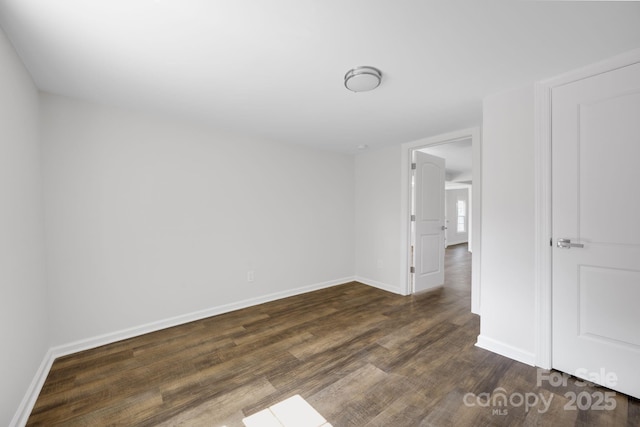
250	276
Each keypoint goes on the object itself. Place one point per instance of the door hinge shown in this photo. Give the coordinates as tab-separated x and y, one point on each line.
413	217
412	269
413	166
551	242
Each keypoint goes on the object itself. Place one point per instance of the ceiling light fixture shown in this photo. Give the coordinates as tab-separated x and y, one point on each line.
362	79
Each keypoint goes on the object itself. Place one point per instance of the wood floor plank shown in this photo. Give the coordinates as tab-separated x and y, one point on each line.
361	356
344	403
225	409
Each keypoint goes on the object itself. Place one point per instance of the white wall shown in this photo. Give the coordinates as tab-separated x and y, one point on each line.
377	218
451	201
149	218
507	323
23	312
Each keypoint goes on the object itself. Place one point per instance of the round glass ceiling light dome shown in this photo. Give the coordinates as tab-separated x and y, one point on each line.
362	79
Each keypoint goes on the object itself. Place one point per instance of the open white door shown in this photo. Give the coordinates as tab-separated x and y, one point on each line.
429	222
596	210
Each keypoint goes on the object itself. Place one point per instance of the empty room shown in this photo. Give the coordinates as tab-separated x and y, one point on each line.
319	213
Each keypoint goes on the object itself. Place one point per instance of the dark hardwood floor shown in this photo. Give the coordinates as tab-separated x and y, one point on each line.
360	356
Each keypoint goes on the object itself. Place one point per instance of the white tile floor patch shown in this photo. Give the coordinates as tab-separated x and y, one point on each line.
264	418
291	412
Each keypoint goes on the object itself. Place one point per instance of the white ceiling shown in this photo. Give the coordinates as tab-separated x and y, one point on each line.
274	69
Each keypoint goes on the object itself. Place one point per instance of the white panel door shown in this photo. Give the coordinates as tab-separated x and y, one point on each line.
429	223
596	203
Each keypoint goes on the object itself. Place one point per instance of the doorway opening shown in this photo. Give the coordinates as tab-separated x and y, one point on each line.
460	223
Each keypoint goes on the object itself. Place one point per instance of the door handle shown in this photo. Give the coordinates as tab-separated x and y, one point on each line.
566	244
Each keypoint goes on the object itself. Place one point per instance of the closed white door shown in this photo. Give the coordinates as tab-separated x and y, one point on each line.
596	203
429	222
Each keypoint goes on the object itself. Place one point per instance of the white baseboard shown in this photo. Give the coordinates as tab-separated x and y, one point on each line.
379	285
506	350
26	405
112	337
29	400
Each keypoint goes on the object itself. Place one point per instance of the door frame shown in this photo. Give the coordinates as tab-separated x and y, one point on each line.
476	196
543	181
